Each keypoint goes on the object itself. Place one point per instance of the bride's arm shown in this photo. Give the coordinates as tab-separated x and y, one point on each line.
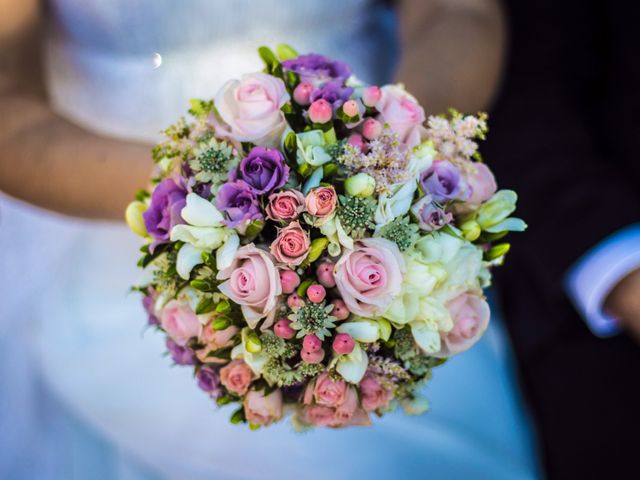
45	159
452	52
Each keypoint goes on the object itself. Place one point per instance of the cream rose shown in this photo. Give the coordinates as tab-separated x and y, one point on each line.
249	109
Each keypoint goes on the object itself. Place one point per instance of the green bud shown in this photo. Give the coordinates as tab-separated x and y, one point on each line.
254	228
497	251
305	169
302	289
221	322
360	185
253	343
223	306
471	230
384	327
317	247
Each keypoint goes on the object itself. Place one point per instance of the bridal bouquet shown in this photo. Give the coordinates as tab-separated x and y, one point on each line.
315	245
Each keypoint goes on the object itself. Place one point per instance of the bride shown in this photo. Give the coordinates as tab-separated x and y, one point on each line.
82	394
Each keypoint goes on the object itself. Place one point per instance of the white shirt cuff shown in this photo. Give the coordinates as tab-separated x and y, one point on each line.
593	276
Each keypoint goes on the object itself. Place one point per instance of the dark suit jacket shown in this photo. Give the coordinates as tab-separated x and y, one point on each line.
565	134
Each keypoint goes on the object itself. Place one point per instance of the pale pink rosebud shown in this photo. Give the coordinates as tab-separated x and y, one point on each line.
294	301
343	344
312	357
302	93
371	96
355	139
289	280
311	343
371	128
283	329
350	108
316	293
320	111
324	272
340	310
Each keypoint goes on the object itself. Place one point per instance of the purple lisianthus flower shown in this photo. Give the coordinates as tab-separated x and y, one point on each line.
333	92
443	182
431	216
209	381
239	202
317	69
167	201
180	355
148	302
264	170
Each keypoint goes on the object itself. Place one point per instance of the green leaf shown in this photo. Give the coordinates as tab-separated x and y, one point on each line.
142	195
238	416
285	52
205	305
291	147
268	57
224	400
200	108
223	353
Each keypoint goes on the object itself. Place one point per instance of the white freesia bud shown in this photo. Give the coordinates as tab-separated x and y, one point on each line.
360	185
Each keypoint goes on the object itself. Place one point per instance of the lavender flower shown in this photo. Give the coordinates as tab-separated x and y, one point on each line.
317	69
167	201
239	202
148	302
209	381
263	169
431	216
443	182
333	92
180	355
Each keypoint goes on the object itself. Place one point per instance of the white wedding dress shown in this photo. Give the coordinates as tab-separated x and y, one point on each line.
85	392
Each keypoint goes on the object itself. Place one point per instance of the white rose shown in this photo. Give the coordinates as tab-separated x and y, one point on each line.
250	109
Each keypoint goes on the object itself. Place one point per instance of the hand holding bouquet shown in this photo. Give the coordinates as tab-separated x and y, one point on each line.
316	245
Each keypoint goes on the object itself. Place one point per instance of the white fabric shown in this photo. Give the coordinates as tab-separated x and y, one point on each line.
594	275
86	331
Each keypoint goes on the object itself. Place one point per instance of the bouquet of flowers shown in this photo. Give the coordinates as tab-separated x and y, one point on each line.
316	245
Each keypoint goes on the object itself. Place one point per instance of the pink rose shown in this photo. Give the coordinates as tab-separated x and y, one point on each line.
321	202
401	111
482	183
253	282
261	410
285	205
374	396
318	415
236	377
346	415
180	322
249	109
369	276
470	314
329	392
215	340
291	246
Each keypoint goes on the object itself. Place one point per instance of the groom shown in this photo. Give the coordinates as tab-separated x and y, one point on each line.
566	136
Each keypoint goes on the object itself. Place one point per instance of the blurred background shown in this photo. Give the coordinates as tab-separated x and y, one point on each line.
551	391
